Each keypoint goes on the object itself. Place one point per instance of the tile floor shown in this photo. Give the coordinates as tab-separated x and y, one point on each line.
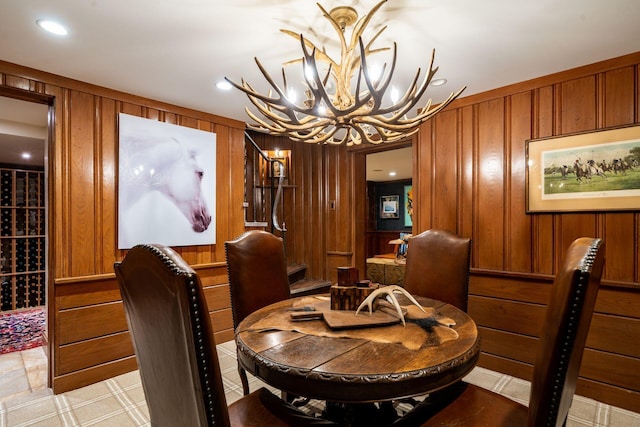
22	373
119	401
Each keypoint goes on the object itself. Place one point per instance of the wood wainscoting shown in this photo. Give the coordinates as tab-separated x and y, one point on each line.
92	340
377	242
509	310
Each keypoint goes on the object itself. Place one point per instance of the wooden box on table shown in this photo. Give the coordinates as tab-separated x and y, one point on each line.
349	293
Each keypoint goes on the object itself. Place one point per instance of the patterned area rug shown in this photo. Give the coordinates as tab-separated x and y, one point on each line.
21	330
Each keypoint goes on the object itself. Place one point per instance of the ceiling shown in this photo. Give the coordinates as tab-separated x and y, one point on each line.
177	50
390	165
23	129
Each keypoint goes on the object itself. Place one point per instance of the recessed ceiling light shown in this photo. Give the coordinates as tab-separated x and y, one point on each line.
26	156
438	82
52	27
223	85
392	174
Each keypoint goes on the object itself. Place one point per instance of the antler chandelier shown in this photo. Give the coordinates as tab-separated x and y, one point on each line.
333	113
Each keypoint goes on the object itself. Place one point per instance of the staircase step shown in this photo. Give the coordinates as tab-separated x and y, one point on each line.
309	287
296	272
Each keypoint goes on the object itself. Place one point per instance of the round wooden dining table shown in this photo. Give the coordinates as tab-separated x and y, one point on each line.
360	363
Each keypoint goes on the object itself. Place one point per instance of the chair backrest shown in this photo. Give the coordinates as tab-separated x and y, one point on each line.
172	337
564	332
257	268
437	266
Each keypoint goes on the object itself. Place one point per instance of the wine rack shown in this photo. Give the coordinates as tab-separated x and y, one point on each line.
22	239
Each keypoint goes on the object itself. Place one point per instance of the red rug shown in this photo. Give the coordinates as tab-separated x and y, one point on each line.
21	330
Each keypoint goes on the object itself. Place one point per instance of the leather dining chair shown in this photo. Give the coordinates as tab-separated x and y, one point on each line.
176	351
557	362
257	269
437	266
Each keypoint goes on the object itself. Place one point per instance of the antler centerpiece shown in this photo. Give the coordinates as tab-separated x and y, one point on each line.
388	291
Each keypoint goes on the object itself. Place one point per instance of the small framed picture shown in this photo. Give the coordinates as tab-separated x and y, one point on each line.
275	171
389	207
279	157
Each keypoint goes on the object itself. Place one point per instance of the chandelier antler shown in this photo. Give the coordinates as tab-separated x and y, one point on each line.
338	115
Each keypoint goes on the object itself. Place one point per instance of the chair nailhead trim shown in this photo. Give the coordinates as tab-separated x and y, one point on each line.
195	317
571	330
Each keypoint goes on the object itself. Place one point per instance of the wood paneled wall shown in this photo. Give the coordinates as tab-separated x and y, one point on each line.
378	242
317	235
88	338
470	179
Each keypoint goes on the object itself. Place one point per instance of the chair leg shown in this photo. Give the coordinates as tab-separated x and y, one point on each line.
243	380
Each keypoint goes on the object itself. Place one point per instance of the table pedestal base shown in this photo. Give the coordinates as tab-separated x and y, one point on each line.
381	414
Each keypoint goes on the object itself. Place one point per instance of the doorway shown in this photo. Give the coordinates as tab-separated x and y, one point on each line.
389	180
24	135
372	167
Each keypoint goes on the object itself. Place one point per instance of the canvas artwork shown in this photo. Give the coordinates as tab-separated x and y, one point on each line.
166	184
408	208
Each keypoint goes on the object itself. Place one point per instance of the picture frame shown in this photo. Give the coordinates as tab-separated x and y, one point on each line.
389	207
273	168
408	206
274	171
588	171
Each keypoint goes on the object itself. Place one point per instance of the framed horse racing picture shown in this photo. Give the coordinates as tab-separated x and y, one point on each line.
590	171
166	184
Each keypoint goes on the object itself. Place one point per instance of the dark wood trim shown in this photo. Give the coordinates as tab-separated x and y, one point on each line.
548	80
26	95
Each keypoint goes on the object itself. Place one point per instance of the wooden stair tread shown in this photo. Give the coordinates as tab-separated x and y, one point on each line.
294	268
300	285
296	272
309	287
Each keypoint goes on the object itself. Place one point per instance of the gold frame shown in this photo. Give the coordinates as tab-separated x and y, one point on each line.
272	169
275	168
553	184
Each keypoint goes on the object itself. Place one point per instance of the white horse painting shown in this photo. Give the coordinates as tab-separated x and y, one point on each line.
166	184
